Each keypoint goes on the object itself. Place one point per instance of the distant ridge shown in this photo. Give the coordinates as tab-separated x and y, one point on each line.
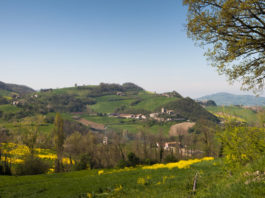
224	98
20	89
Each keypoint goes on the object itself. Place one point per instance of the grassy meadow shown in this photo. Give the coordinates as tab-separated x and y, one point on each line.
246	115
212	181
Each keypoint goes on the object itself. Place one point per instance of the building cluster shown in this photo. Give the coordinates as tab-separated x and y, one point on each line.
154	116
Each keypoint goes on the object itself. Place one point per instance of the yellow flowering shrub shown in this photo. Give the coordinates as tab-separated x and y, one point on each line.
16	152
100	172
119	188
141	181
181	164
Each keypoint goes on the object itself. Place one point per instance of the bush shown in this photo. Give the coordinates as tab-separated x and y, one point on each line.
123	164
3	100
32	166
133	160
242	144
170	158
84	163
49	119
149	161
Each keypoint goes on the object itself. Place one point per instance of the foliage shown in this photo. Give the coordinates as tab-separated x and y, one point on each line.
29	131
133	160
84	163
235	31
170	158
57	102
242	144
32	165
3	100
59	138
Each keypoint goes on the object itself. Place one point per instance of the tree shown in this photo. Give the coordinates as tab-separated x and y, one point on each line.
235	32
242	144
59	137
29	130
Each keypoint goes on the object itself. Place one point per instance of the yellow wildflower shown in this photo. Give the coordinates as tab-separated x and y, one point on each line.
100	172
148	177
118	188
51	170
181	164
141	181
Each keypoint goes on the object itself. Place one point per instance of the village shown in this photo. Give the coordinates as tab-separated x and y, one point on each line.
163	116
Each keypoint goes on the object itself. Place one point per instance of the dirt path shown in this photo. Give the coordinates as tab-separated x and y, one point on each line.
91	124
181	128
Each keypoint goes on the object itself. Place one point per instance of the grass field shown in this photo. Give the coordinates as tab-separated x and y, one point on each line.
8	108
108	104
212	181
150	102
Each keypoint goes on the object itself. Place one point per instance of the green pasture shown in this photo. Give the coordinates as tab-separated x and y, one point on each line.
246	114
212	181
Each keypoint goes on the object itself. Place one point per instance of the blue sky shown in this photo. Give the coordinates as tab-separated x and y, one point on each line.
57	43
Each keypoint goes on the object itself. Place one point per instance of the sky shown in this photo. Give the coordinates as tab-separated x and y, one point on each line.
57	43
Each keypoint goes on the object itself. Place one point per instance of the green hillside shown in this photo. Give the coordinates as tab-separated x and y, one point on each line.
246	114
96	103
141	100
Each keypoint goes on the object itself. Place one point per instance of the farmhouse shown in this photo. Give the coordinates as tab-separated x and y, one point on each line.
170	146
140	116
119	93
154	115
15	103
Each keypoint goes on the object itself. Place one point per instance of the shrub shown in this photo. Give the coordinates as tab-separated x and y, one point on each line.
170	158
242	144
123	164
32	166
133	160
84	163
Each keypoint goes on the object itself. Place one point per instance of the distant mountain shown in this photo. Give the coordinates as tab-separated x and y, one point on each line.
20	89
232	99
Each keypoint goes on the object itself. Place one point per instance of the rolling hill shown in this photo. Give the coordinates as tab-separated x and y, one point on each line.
232	99
7	89
105	103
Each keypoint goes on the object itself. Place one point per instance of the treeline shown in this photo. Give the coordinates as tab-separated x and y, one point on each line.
63	102
86	149
238	144
112	89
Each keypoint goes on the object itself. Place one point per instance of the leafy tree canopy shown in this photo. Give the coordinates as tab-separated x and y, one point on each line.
235	32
